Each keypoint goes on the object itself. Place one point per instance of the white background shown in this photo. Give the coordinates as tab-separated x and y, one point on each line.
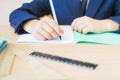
6	7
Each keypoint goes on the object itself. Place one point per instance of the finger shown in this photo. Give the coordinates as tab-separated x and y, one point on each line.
86	30
50	30
77	22
74	23
44	33
55	26
80	26
75	28
39	36
84	18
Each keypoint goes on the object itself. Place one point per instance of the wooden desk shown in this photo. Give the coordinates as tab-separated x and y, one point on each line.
107	56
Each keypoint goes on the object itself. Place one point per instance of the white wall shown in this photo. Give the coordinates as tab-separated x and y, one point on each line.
6	7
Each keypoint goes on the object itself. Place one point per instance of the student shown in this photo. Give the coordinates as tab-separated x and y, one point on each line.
98	16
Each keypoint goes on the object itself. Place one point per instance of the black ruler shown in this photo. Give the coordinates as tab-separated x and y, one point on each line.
65	60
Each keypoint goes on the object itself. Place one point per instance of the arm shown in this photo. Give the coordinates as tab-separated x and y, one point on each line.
43	29
26	19
116	14
87	24
28	11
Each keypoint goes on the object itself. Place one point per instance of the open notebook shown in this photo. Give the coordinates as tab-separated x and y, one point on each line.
67	37
70	36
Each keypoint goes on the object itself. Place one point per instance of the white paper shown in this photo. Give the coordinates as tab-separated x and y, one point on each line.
67	37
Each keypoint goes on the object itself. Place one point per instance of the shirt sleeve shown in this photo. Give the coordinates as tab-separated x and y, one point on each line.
116	14
28	11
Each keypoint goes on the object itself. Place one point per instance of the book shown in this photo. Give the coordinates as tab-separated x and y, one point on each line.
3	43
69	36
108	38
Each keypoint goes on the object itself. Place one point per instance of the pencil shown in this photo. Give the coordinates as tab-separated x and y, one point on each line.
54	14
60	37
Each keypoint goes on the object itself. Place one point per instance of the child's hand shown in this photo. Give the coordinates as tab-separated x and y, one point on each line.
43	29
86	24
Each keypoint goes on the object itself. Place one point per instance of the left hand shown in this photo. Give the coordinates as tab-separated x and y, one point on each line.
86	24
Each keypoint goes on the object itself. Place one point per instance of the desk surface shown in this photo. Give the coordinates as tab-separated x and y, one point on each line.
107	56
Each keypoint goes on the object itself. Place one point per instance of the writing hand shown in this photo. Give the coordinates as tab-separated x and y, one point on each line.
43	29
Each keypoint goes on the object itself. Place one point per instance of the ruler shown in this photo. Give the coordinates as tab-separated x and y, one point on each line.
6	61
65	60
43	72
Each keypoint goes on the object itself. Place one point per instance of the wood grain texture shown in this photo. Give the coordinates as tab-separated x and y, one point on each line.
6	61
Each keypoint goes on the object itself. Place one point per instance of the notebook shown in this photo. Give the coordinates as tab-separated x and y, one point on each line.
70	36
67	37
3	43
109	38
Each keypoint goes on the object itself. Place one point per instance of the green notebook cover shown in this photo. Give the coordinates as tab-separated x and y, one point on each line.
103	38
3	43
